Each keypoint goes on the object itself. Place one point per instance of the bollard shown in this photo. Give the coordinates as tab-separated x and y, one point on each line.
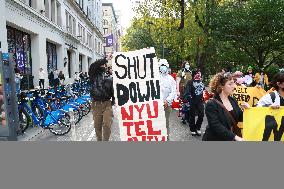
73	127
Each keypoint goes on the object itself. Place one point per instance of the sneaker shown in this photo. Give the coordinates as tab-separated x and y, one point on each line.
193	133
198	132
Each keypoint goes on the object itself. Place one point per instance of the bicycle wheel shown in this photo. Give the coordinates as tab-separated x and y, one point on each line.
77	116
24	120
86	109
38	113
63	127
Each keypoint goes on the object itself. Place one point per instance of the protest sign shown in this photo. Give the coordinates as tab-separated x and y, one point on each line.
136	81
250	95
263	124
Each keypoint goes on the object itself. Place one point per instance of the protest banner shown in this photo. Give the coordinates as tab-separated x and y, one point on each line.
140	110
263	124
250	95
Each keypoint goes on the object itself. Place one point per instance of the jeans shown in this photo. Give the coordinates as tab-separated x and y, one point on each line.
198	109
102	115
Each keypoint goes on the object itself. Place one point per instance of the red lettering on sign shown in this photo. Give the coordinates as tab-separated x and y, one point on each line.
156	110
128	125
125	115
150	129
139	110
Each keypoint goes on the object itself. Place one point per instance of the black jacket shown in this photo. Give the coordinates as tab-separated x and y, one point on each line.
193	92
219	122
101	85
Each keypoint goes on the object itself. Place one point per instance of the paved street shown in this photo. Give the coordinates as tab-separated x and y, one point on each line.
85	131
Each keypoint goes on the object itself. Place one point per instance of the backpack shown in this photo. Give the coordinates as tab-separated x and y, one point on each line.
272	96
102	88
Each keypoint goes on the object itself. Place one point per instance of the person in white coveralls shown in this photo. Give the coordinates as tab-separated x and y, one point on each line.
168	90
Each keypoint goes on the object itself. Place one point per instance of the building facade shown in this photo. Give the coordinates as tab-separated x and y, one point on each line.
51	34
111	29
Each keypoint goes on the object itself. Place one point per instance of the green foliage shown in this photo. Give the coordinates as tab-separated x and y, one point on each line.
216	34
253	29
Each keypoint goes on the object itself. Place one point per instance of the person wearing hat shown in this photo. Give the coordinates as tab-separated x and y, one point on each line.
168	90
102	94
194	95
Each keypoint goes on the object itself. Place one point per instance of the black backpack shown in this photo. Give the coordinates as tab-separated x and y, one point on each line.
273	97
102	88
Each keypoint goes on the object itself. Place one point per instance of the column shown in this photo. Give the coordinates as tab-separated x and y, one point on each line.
75	63
60	58
3	30
54	11
84	63
39	57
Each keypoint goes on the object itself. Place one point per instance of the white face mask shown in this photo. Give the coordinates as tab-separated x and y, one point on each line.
187	67
164	69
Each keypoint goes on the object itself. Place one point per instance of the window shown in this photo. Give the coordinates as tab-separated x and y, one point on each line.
74	26
58	14
51	57
81	3
99	46
88	12
53	16
84	36
105	31
70	23
89	40
81	32
80	63
19	44
31	3
96	45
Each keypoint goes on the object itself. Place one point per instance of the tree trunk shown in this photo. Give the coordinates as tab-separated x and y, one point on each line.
182	5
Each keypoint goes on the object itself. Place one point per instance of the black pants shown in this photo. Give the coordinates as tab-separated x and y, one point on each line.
41	83
196	109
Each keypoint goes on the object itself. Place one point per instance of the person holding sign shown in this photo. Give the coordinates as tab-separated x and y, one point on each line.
102	94
168	90
274	99
223	112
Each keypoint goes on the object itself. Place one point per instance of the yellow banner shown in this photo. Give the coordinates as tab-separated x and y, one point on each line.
263	124
250	95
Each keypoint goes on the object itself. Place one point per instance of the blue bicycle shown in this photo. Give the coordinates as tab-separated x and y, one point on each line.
38	114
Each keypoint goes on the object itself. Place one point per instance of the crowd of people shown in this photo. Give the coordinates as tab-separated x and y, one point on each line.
222	110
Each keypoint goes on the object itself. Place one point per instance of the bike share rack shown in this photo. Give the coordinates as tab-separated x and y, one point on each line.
7	64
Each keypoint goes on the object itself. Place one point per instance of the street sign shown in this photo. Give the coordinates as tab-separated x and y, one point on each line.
109	40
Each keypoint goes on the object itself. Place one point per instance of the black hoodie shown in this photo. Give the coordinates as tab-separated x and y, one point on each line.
101	84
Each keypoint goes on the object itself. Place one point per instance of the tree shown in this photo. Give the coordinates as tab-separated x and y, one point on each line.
253	31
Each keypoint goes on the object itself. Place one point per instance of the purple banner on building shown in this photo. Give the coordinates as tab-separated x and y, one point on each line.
20	60
109	40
